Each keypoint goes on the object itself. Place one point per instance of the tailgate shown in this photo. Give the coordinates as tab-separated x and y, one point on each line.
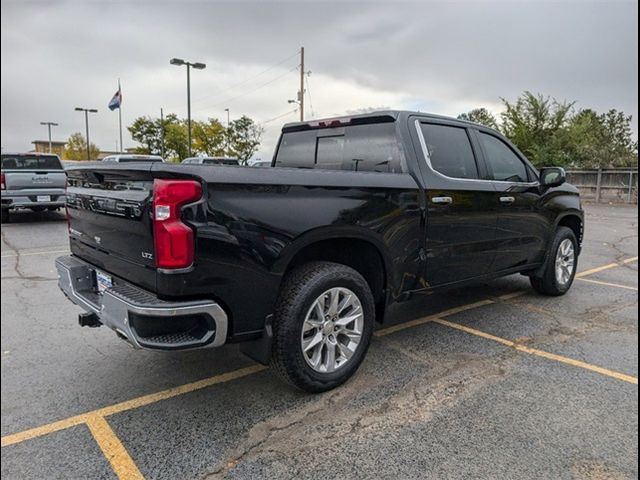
35	180
110	226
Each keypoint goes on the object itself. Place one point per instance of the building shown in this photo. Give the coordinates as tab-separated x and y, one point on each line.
42	146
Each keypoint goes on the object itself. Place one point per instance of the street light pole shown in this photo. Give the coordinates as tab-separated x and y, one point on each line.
87	111
49	125
197	66
227	132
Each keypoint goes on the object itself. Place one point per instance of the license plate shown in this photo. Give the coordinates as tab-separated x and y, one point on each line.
44	198
103	280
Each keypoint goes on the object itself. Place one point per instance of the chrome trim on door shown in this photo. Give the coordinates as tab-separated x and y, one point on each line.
442	200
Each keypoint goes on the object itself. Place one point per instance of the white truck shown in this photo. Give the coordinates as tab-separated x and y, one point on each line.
31	180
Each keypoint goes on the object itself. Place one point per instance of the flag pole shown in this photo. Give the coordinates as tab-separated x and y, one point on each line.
120	117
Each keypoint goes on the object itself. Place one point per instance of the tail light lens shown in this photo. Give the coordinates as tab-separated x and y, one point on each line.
173	240
4	185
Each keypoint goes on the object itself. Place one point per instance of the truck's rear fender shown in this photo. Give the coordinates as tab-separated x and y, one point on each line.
352	245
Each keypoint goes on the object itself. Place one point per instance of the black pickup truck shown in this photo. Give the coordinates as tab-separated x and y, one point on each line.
299	260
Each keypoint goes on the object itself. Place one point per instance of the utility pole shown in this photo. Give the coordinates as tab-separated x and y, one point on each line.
49	125
301	93
162	133
300	100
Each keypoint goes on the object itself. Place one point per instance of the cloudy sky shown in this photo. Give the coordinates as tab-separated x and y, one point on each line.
441	57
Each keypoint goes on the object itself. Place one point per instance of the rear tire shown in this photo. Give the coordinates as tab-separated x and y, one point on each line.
322	326
560	267
6	218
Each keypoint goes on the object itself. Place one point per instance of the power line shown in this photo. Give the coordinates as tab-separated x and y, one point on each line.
247	80
278	117
247	92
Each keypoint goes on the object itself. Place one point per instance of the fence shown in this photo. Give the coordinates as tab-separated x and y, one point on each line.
613	185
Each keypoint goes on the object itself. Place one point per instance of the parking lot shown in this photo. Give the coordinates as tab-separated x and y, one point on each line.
492	381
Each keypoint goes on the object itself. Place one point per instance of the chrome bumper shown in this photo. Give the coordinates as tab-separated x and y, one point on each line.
138	315
28	198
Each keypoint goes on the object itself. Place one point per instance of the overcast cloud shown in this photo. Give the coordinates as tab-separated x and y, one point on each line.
439	57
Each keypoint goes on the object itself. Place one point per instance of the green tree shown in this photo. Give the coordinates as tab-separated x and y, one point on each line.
534	123
176	140
146	131
209	138
244	138
481	116
76	148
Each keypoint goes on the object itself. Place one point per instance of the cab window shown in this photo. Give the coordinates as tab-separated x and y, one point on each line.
504	165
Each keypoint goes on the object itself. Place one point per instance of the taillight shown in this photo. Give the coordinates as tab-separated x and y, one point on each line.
173	240
4	185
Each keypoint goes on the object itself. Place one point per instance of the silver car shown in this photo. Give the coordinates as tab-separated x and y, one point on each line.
35	181
211	161
131	157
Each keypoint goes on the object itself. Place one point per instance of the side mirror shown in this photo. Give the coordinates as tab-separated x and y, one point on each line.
552	177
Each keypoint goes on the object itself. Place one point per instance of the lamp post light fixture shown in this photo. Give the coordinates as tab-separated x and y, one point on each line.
198	66
87	111
49	125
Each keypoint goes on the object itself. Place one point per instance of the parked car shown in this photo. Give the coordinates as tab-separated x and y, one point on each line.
129	157
262	163
211	161
31	180
297	262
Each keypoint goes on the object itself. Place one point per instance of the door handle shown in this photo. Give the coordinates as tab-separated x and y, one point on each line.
442	200
507	200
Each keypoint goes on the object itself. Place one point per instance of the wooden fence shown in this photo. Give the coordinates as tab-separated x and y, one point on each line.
611	185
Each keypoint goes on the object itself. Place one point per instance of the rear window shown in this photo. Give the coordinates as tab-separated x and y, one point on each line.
363	148
31	162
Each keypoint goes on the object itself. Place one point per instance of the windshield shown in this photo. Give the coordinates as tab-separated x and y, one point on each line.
31	162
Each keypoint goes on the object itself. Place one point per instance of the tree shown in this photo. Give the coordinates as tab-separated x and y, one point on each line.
481	116
244	138
601	140
533	123
146	131
76	148
209	138
176	139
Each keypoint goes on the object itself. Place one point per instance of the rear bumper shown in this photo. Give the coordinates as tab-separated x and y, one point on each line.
138	315
28	198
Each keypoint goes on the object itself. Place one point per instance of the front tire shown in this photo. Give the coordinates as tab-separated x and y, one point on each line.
560	267
5	215
323	326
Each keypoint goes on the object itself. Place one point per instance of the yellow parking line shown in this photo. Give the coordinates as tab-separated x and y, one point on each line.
606	267
128	405
421	321
607	284
540	353
43	430
113	449
190	387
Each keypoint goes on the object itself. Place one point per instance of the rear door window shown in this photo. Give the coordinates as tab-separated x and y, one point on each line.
450	151
31	162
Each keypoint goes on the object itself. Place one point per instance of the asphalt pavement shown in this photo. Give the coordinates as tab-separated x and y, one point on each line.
493	381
